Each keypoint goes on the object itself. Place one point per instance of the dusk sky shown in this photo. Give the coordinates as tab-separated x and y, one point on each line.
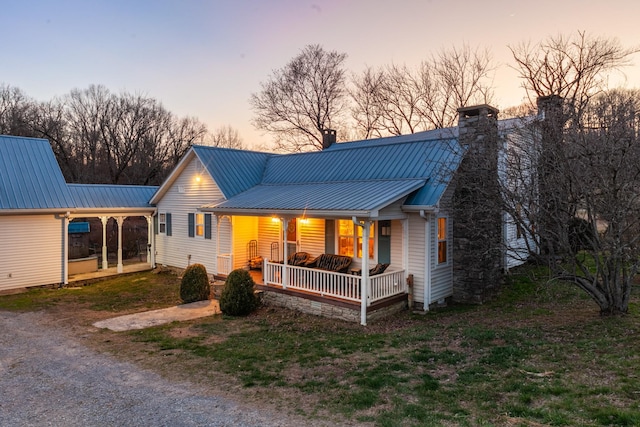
204	58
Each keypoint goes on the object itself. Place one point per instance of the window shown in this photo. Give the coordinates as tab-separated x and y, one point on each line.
349	242
442	240
200	224
162	223
345	237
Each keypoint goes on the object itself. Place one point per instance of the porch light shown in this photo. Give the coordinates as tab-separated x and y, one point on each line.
197	178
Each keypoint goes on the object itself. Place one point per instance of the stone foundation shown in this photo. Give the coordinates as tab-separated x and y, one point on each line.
349	312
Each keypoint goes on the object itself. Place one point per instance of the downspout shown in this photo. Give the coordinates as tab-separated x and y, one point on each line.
427	265
364	277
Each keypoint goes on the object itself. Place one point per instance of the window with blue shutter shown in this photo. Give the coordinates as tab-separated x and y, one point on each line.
168	218
192	225
207	226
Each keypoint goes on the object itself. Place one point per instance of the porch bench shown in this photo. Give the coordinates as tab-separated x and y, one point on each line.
330	262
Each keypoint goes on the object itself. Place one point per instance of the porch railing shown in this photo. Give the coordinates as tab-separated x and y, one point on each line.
225	263
338	285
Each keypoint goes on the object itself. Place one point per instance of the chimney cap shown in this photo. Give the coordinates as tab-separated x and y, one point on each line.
475	110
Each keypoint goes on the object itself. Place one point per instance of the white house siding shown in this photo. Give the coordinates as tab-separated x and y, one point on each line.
268	233
417	255
396	245
224	235
442	275
32	252
517	249
245	229
393	210
312	235
185	196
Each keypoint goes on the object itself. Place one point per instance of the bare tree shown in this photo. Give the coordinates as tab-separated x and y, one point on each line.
594	230
397	99
574	68
226	137
14	111
302	99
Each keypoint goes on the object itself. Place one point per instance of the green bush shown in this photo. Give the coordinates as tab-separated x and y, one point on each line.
238	297
195	284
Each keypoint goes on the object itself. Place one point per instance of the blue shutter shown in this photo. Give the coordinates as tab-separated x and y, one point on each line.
192	225
168	226
207	226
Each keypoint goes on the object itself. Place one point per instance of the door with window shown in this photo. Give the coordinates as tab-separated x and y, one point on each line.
291	234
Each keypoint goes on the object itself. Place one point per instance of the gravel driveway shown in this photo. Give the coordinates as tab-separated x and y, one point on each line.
49	378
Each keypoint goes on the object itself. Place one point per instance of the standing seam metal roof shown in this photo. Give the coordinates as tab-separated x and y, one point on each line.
96	196
234	171
30	177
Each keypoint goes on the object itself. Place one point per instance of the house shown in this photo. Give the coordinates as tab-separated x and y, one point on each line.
387	202
354	231
37	205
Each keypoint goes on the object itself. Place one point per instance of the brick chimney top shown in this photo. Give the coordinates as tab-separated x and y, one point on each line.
328	138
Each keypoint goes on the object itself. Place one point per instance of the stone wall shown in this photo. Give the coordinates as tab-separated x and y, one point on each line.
348	313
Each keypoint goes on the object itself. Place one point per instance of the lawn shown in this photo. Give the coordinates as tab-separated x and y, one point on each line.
539	354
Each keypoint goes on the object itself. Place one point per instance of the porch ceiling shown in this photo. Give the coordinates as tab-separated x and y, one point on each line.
324	199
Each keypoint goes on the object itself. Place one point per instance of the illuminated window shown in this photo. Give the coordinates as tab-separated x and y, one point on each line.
162	223
442	240
349	242
345	237
199	224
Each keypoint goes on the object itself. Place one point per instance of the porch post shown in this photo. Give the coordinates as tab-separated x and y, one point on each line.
120	220
65	249
105	262
217	253
285	273
365	273
151	247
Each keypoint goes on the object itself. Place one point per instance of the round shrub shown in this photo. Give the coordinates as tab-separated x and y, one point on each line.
238	297
195	284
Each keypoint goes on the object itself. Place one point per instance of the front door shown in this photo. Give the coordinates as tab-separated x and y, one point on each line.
292	236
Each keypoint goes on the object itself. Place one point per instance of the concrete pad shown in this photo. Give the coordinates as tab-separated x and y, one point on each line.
147	319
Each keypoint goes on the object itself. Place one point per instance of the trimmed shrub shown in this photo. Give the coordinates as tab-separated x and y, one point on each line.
195	284
238	297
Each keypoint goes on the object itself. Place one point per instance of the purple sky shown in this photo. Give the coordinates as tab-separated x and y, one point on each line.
204	58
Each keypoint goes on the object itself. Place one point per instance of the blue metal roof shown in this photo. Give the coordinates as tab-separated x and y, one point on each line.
97	196
357	177
345	196
30	177
234	171
405	160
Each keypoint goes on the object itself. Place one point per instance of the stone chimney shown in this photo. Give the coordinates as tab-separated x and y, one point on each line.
328	138
477	210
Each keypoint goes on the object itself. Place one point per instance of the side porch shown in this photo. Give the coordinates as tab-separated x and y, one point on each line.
333	294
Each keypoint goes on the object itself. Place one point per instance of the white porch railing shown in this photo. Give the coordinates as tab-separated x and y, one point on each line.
225	263
338	285
386	284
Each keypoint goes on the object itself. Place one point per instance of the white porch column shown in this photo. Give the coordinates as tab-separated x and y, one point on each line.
217	253
364	275
151	247
285	273
365	272
65	249
120	220
105	262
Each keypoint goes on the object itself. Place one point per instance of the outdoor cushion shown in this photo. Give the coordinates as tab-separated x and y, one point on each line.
378	269
331	262
298	259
